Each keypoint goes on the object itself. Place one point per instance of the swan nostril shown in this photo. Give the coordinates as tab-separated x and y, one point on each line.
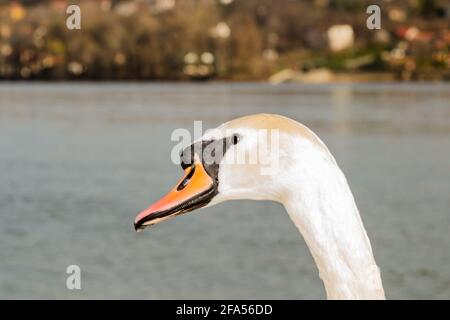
186	180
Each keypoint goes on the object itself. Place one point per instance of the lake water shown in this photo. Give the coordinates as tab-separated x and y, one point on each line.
79	161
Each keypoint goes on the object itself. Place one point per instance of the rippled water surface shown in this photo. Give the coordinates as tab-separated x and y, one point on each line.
78	161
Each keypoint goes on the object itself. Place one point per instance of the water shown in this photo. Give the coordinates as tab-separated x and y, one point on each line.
78	161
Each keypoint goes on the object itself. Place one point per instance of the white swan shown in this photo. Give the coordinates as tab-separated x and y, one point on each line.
306	180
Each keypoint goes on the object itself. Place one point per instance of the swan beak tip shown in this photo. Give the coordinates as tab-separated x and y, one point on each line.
137	228
194	190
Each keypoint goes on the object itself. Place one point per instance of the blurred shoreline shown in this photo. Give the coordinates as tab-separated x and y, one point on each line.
228	40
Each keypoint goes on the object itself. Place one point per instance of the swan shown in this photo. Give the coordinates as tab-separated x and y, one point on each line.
306	180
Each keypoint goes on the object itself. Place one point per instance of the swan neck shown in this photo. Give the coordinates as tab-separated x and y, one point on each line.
326	215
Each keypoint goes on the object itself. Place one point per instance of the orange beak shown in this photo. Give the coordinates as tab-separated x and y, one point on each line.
194	190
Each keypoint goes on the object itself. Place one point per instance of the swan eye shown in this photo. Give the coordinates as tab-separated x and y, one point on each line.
235	138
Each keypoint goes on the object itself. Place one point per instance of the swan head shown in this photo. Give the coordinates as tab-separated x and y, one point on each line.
245	158
270	157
